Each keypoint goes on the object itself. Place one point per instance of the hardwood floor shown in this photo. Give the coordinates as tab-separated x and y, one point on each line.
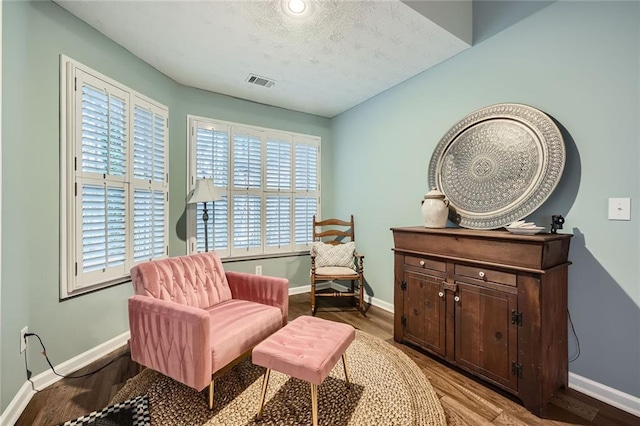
466	401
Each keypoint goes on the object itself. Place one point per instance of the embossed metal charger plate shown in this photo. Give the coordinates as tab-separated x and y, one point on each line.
498	164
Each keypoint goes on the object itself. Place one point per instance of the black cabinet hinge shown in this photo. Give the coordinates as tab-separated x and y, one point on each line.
403	320
516	369
516	317
403	285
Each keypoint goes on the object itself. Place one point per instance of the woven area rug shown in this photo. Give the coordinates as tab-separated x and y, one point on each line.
387	389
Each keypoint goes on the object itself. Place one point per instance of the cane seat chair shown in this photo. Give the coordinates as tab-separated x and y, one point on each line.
334	258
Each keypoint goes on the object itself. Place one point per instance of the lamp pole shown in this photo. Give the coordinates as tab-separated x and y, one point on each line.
205	218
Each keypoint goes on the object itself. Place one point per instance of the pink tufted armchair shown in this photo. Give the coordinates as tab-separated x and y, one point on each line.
191	321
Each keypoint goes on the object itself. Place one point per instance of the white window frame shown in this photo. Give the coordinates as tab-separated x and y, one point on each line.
73	281
231	128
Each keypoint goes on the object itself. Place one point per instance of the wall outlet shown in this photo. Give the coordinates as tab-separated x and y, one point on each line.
23	339
258	269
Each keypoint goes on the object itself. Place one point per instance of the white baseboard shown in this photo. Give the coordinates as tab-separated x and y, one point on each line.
386	306
306	288
371	300
606	394
17	405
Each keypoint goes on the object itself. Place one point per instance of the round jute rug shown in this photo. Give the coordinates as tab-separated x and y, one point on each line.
387	389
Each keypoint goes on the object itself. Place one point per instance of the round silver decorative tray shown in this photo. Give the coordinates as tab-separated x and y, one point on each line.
498	164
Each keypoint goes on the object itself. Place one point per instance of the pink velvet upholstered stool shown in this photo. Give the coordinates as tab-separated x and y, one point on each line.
307	348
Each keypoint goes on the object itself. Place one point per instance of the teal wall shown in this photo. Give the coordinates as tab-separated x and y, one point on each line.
34	35
578	62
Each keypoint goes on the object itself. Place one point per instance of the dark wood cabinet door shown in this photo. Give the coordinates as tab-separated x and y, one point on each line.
424	311
485	338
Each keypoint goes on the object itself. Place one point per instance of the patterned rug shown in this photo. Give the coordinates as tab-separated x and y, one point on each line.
132	412
387	388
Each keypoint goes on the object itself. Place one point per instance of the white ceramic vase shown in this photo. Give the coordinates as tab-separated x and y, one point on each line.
435	209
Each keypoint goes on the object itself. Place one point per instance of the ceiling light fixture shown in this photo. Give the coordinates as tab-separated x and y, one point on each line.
297	7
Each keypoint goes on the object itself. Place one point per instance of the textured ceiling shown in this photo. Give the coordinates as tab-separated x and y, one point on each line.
337	55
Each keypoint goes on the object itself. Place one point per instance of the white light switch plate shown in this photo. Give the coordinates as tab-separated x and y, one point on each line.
619	208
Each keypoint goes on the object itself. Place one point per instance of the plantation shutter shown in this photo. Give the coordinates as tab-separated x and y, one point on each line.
247	233
306	193
149	223
247	160
149	183
149	142
306	167
100	194
103	131
114	181
278	165
212	161
247	192
103	232
304	209
278	223
278	232
271	180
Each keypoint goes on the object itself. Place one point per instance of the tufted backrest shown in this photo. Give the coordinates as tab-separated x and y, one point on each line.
196	280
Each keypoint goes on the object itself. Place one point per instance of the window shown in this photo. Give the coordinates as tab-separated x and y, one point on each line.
114	197
271	179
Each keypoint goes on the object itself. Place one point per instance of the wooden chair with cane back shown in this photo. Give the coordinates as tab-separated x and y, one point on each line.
334	258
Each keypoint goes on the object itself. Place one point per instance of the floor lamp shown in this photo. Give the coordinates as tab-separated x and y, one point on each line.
204	192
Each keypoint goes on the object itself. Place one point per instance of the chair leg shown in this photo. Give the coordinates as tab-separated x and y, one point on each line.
361	295
314	404
313	296
211	395
265	381
346	371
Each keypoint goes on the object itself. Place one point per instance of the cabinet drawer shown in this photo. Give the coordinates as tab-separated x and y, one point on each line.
485	274
421	262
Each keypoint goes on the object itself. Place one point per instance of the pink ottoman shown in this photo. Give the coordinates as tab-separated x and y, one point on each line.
307	348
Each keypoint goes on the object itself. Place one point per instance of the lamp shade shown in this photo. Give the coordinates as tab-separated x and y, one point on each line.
205	191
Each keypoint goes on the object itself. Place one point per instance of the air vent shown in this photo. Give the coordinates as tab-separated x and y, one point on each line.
260	81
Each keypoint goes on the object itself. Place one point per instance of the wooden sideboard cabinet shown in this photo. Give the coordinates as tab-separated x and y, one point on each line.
490	302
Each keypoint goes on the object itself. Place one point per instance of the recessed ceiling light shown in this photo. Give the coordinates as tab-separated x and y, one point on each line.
297	7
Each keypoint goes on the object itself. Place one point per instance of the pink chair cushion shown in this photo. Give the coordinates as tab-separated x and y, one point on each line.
237	325
307	348
196	280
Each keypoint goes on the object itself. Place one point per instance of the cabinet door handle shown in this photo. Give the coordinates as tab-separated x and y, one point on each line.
422	263
456	298
441	294
481	274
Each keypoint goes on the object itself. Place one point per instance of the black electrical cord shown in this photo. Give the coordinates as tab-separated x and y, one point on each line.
577	355
44	352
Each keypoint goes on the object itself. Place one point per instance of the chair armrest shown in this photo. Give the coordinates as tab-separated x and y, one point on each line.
171	338
263	289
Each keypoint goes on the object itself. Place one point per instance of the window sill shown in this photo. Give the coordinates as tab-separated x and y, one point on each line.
263	256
